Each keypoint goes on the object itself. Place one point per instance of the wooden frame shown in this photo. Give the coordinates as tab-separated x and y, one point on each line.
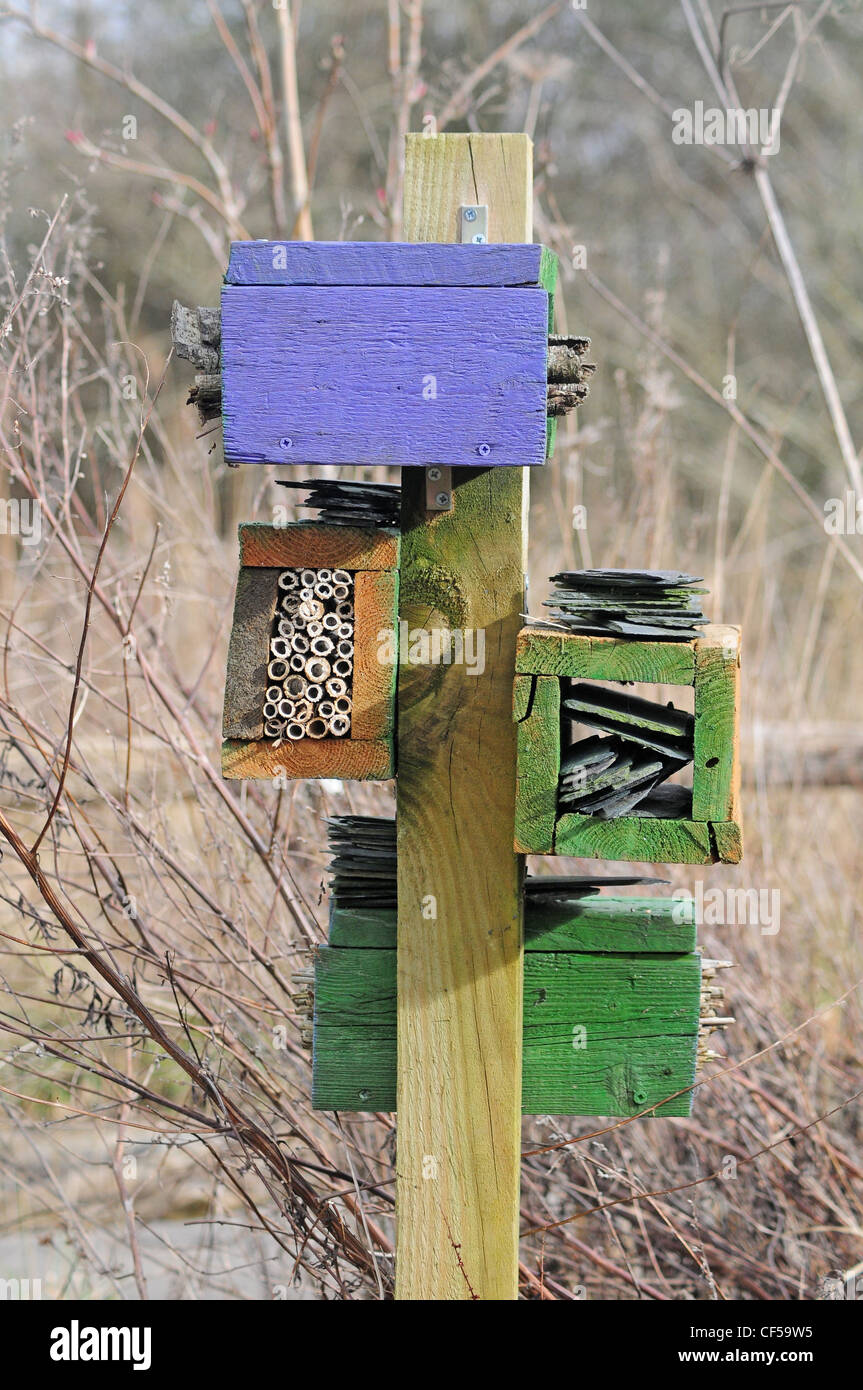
372	557
623	971
710	664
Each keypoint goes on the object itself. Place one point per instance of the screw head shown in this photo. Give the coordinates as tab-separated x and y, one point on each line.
478	240
470	214
483	450
442	499
285	442
434	474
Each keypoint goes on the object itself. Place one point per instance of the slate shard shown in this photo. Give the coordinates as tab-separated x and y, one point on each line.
562	889
363	866
341	503
662	604
644	744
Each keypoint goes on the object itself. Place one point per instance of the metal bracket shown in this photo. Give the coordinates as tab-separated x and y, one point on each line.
438	489
473	223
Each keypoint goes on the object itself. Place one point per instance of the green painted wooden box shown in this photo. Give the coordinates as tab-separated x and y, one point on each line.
612	1009
321	602
712	832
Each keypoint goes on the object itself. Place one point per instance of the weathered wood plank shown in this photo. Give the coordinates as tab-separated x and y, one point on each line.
538	769
350	759
310	545
614	924
716	763
728	837
638	839
248	653
427	376
542	651
388	264
374	680
598	924
460	975
603	1035
522	690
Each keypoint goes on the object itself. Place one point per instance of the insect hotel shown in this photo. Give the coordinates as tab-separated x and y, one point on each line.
454	989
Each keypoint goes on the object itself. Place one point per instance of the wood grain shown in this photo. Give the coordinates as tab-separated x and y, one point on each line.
728	839
386	263
311	545
580	657
603	1034
346	758
538	768
359	375
374	687
638	839
460	976
607	924
716	763
248	653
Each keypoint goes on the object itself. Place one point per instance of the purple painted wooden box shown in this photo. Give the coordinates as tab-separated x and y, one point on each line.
381	353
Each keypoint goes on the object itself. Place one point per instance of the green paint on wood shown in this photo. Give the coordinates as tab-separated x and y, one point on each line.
543	652
538	769
660	925
522	690
603	1034
548	279
548	268
637	839
713	778
363	927
597	924
728	837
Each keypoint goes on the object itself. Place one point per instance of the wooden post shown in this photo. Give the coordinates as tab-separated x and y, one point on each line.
460	937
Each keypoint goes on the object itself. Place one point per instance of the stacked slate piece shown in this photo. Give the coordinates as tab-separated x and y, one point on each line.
559	889
363	868
628	603
341	503
646	743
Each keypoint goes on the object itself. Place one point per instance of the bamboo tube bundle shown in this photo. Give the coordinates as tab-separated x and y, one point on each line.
711	1019
311	657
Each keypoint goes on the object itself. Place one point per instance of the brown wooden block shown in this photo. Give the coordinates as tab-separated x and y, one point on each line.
375	659
310	545
246	679
344	758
